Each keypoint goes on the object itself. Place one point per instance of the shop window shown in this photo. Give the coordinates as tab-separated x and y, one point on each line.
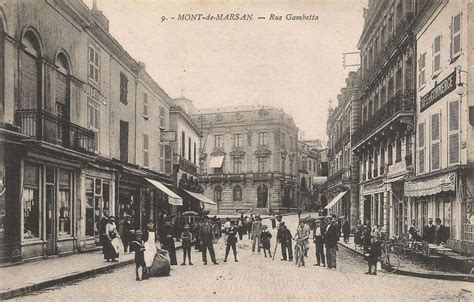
64	205
455	36
237	193
218	194
31	202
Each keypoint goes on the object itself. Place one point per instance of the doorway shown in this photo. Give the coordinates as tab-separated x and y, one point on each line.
367	209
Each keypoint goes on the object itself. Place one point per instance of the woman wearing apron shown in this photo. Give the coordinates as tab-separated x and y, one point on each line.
149	236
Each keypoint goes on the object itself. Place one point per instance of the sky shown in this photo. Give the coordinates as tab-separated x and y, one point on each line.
293	65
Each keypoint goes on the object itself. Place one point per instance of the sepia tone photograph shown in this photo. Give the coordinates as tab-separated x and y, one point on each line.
237	150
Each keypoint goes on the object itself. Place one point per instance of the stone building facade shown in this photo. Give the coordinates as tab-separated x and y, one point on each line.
249	159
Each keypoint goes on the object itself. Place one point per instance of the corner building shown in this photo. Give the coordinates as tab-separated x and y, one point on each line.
249	159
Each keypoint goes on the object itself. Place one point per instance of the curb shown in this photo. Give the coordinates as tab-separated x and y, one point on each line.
427	275
23	290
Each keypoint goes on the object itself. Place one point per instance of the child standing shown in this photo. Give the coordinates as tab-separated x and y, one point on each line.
138	247
374	254
186	239
265	237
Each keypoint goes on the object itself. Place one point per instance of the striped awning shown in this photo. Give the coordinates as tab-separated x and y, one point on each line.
173	198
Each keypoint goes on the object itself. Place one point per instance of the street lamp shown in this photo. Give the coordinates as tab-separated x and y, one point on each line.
461	87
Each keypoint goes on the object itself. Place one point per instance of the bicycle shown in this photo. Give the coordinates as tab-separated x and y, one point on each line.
299	252
390	262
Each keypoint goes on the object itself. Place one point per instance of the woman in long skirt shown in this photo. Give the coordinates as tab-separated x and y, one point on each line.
111	233
149	237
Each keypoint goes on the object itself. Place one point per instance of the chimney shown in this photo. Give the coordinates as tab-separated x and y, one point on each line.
99	16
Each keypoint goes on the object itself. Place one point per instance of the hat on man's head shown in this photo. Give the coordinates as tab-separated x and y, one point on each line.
138	232
112	218
282	223
187	226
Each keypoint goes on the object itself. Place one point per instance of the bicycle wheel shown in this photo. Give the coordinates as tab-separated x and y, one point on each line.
392	263
297	255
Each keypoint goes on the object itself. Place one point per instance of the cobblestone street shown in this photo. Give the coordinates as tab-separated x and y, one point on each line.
255	278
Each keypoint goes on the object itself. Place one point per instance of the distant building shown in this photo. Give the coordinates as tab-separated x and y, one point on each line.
308	168
249	158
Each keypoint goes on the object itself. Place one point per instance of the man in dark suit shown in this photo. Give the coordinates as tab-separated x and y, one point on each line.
318	236
330	240
441	233
429	231
104	220
206	236
285	239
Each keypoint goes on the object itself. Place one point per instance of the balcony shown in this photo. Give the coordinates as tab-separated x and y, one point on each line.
186	165
45	126
401	31
401	102
341	175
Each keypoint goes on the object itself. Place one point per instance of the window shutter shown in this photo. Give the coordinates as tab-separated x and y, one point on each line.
454	116
167	159
435	127
421	161
454	148
421	135
435	156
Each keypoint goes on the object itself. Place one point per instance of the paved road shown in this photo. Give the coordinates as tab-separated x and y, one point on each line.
255	278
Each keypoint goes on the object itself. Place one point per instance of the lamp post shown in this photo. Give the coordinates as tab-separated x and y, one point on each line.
461	90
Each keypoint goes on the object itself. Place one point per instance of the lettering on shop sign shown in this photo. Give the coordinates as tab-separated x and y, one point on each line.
447	85
94	94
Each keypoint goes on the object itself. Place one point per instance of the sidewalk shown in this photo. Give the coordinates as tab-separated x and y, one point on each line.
408	268
24	278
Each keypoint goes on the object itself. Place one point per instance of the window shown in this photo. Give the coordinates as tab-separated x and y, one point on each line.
97	199
283	139
436	55
453	133
195	152
435	141
217	194
94	65
262	164
123	141
398	151
189	148
291	166
421	148
145	150
168	159
237	165
93	121
64	203
183	144
262	196
238	140
237	193
218	141
455	36
262	138
145	104
421	70
390	154
31	202
30	73
123	88
162	158
162	117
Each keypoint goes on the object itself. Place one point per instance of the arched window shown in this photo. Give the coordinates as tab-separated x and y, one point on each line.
62	94
262	196
30	72
218	194
237	193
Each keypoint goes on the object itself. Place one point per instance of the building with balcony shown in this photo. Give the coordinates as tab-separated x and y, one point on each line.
341	187
384	141
443	182
75	136
309	167
249	159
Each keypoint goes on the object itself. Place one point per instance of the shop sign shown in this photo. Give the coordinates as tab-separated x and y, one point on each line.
376	186
441	89
432	186
168	136
94	93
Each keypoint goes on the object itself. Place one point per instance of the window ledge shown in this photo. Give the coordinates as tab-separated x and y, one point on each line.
145	116
436	74
422	87
455	58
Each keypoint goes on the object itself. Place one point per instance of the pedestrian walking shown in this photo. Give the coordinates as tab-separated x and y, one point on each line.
358	234
366	237
375	252
256	230
318	236
126	235
111	233
206	237
346	230
231	241
104	220
285	239
249	223
167	240
265	237
331	238
149	237
138	246
186	240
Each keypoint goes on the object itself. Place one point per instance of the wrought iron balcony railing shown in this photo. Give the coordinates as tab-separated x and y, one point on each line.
45	126
402	101
186	165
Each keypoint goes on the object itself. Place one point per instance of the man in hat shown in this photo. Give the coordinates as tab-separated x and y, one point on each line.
186	239
374	254
206	237
126	232
231	241
167	240
318	236
256	230
285	239
330	240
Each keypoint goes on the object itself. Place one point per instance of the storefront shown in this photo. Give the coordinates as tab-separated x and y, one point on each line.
372	204
339	205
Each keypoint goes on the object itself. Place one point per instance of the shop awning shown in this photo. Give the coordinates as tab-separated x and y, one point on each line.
335	200
200	197
424	187
173	198
216	161
395	179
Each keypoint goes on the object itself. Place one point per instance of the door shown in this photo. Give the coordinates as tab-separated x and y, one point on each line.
367	209
50	212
